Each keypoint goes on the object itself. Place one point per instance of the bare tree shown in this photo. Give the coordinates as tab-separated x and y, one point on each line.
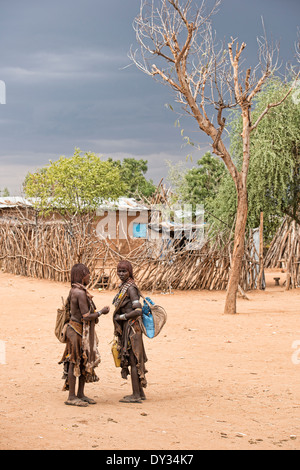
209	80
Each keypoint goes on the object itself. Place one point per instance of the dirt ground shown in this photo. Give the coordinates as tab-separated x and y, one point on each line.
215	381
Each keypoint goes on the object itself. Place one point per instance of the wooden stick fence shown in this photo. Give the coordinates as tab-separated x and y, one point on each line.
47	249
284	252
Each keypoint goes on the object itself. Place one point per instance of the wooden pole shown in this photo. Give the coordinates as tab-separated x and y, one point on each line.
261	252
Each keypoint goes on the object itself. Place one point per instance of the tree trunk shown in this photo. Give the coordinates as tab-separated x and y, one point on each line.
238	251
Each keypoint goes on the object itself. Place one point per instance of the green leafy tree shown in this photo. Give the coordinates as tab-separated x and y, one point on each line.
176	180
132	174
74	185
198	184
274	171
202	182
222	208
274	176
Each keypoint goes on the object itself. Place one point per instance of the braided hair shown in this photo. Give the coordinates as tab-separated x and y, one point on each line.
126	265
78	273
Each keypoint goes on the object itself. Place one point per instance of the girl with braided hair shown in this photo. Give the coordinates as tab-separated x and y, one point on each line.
126	318
81	356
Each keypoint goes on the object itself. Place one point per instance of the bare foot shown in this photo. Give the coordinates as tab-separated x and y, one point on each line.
88	400
76	402
131	399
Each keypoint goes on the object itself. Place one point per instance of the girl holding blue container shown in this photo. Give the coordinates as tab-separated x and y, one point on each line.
128	331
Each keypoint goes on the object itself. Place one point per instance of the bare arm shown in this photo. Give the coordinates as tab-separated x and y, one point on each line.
84	307
90	316
96	315
136	306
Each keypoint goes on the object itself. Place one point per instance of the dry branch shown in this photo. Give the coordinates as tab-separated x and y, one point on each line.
47	249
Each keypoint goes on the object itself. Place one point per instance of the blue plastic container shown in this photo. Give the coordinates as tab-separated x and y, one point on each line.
148	319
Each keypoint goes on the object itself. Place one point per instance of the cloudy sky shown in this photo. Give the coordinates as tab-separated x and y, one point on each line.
68	84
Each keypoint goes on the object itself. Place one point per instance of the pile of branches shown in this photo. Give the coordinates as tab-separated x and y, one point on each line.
284	252
47	249
186	269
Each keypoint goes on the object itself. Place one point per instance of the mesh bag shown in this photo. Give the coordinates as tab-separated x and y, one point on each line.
159	316
62	319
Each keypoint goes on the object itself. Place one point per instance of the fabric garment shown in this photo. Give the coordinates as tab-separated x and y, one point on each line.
82	345
129	333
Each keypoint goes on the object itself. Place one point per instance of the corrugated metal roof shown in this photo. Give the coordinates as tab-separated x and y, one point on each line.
123	203
8	202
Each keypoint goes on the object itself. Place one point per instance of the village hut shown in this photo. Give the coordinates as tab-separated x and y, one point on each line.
163	251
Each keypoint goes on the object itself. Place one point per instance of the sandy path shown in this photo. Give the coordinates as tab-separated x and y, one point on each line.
215	381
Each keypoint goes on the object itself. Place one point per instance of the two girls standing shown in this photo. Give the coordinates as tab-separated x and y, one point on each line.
81	356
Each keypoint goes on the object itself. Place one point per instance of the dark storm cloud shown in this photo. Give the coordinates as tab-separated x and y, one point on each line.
68	83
